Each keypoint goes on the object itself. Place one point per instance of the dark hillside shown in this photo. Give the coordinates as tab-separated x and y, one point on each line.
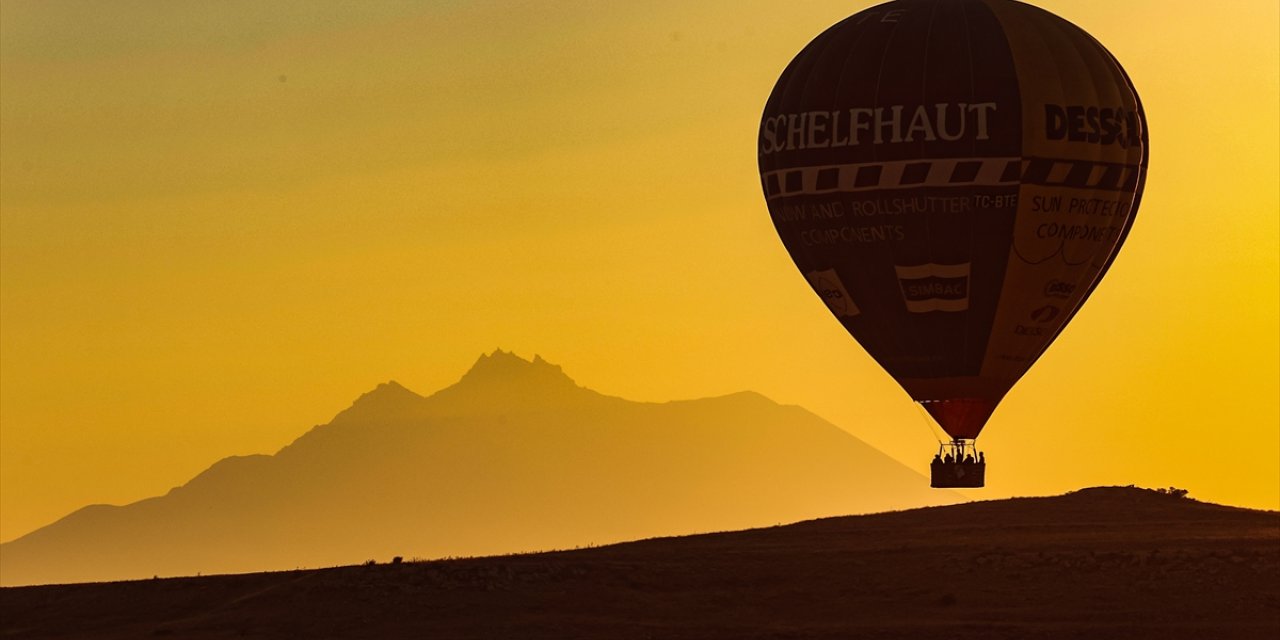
1098	563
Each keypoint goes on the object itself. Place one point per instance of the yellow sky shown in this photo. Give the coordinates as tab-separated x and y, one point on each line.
221	222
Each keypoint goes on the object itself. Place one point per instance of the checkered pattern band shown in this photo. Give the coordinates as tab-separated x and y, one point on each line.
949	172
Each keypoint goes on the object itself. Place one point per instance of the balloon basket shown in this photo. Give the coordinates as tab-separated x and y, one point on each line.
958	465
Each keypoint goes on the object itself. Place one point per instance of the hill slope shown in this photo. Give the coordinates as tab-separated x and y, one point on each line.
1099	563
514	457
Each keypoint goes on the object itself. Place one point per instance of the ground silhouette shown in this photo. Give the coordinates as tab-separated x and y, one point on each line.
1098	563
514	457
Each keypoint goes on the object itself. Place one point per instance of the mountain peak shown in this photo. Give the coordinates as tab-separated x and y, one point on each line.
389	390
386	399
507	367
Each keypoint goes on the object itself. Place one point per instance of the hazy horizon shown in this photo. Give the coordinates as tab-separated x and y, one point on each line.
533	359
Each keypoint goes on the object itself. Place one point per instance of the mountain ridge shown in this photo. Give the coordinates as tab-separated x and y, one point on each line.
514	456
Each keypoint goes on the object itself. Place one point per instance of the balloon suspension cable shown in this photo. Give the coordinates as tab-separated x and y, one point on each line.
928	420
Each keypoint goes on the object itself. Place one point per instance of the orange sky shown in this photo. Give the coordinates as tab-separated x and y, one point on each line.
221	222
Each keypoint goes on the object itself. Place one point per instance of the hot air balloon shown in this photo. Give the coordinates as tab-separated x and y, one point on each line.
953	178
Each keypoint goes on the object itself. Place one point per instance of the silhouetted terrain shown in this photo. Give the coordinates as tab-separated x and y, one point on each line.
514	457
1098	563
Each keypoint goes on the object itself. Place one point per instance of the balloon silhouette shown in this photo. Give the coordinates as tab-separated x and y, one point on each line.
953	178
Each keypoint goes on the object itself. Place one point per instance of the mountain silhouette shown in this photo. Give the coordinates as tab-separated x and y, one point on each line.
514	457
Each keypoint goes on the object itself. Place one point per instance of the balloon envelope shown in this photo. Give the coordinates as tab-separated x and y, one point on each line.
953	177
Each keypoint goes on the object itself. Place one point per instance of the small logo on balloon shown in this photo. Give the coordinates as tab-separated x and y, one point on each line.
829	287
1024	330
1045	314
934	287
1058	289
